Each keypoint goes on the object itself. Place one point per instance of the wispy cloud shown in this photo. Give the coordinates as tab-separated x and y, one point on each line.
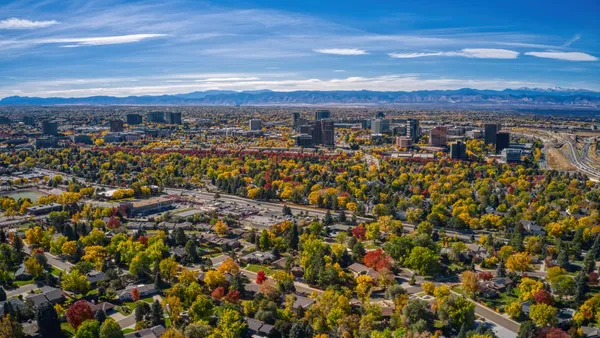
16	23
567	56
574	39
476	53
341	51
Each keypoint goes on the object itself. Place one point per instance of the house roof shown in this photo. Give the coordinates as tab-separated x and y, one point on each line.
258	326
153	332
590	332
303	302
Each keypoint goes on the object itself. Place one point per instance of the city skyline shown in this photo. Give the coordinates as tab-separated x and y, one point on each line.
122	48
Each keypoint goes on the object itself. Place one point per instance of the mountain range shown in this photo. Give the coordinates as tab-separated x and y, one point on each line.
521	97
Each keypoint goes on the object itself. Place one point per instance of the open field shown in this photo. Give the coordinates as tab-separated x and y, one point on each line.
557	160
33	195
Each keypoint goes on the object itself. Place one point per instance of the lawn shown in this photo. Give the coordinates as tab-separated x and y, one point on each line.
126	331
20	283
256	268
56	271
66	327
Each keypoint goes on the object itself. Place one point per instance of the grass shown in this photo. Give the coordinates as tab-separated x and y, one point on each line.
66	327
20	283
256	268
126	331
167	322
56	271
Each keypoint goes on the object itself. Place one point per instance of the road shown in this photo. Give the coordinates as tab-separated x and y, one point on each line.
495	317
128	321
300	287
52	260
21	290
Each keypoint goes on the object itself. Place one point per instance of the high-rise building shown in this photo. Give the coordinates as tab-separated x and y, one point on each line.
399	131
328	132
134	119
173	118
304	140
380	126
155	117
502	141
49	127
511	155
438	136
365	124
491	129
413	130
403	141
458	150
255	124
295	120
116	126
316	132
322	114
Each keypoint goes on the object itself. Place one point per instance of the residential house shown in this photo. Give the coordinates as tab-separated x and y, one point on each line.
108	308
47	295
95	277
21	274
477	251
301	302
590	332
153	332
178	253
258	257
16	303
144	290
258	328
532	228
492	288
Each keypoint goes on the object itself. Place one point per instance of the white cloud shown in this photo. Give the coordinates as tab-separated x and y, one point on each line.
100	41
16	23
574	39
339	70
568	56
477	53
341	51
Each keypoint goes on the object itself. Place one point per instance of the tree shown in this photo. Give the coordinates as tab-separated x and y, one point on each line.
501	270
172	333
518	262
293	237
230	324
48	322
416	310
457	310
201	309
79	312
168	268
300	329
260	277
100	316
528	288
463	331
10	328
514	309
214	278
2	294
140	265
580	287
33	267
156	314
563	285
88	329
229	266
543	297
111	329
221	228
543	314
527	330
76	282
563	259
378	260
423	260
198	330
135	294
218	293
470	282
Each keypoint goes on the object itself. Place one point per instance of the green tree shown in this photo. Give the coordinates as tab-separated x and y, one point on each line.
457	311
156	314
89	329
76	282
527	330
543	314
424	260
111	329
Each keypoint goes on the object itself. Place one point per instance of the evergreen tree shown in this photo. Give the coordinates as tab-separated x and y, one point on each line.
342	216
100	316
589	263
287	211
191	251
463	331
2	294
595	250
293	237
516	241
527	330
158	281
563	259
48	322
9	309
328	220
501	270
156	314
580	287
180	237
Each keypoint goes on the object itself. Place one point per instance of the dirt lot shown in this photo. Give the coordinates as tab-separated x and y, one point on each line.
558	161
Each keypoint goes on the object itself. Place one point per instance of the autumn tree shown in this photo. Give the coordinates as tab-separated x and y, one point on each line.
79	312
470	282
378	260
543	314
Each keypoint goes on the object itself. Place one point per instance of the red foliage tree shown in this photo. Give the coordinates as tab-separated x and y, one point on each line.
549	332
113	223
543	297
143	239
260	277
135	294
378	260
484	275
359	232
233	296
593	278
79	312
218	293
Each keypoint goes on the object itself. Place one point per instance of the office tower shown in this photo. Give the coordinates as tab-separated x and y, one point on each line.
49	127
413	130
438	136
491	129
458	151
322	114
316	132
29	120
173	118
399	131
511	155
304	140
155	117
502	141
403	141
134	119
365	124
116	126
380	126
81	138
255	124
328	132
295	120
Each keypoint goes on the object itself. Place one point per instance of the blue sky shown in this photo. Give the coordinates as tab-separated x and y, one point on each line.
85	47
